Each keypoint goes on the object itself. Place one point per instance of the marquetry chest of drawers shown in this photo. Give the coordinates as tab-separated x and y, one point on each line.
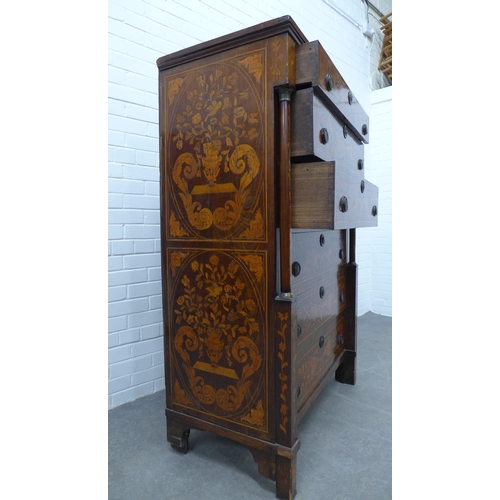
262	189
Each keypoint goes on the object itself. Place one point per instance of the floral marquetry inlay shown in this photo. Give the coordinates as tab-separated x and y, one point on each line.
254	65
180	394
173	88
216	160
219	340
283	326
175	226
256	416
176	259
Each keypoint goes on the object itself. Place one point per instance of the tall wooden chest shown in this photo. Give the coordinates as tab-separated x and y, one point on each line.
262	187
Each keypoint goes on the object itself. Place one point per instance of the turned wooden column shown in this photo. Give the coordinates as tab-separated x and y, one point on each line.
285	204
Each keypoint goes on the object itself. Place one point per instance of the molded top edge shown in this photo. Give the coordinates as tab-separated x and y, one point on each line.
260	31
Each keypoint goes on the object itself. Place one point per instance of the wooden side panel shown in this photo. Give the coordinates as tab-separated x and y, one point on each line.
218	181
218	347
217	116
313	186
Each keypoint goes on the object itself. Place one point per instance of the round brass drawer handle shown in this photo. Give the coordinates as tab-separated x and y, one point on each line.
344	206
323	136
329	82
295	269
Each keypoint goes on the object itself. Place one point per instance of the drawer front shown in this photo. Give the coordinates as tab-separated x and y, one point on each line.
317	355
341	289
327	196
317	135
317	303
307	339
339	335
334	325
355	202
314	253
315	68
318	288
313	365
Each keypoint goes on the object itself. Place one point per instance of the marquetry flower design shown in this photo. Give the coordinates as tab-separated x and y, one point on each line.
180	394
217	115
283	317
256	415
214	306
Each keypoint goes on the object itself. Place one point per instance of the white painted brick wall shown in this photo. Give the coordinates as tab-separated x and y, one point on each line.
140	31
381	175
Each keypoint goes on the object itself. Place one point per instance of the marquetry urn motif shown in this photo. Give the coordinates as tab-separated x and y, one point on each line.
215	150
219	332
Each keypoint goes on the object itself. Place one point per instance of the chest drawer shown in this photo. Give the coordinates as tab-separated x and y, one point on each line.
314	68
317	354
312	367
318	135
318	300
307	339
340	334
327	196
314	253
334	325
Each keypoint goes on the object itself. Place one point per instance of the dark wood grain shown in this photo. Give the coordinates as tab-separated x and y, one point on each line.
333	370
309	117
346	373
313	365
318	191
313	64
286	477
238	219
263	31
285	205
313	195
309	338
316	252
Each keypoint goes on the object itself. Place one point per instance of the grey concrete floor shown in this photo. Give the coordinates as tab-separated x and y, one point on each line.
345	452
